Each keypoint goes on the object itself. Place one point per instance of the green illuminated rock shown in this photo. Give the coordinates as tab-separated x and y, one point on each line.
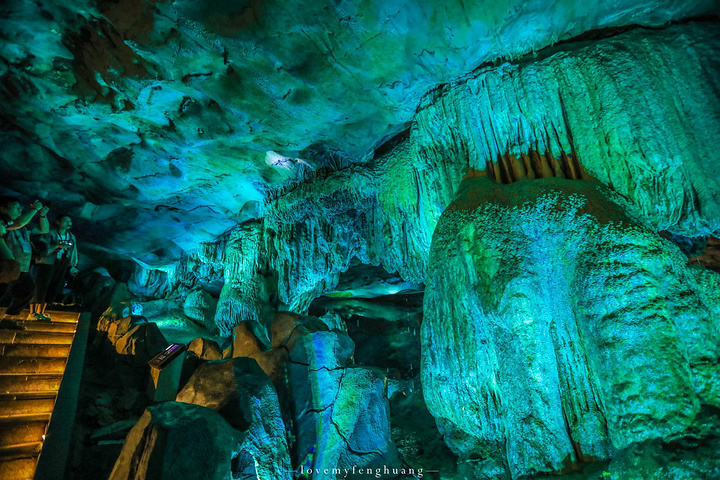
559	328
384	213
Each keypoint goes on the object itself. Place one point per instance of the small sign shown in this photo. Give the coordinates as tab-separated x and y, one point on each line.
164	358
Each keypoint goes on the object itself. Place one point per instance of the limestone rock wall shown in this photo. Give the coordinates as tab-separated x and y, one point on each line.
558	327
145	117
382	214
640	111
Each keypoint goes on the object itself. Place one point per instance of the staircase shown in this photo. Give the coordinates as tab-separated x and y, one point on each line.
33	362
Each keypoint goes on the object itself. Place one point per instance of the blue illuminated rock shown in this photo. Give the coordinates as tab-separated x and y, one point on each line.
384	212
341	413
559	328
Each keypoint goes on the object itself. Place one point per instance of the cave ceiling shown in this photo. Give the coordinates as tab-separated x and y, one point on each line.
160	125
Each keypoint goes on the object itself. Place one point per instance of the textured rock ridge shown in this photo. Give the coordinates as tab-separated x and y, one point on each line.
382	214
557	328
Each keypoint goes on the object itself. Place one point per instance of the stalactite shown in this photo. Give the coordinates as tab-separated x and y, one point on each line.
508	168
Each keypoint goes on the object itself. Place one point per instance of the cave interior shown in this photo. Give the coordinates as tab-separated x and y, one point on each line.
448	240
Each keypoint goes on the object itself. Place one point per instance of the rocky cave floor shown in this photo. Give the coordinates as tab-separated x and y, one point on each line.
385	331
386	336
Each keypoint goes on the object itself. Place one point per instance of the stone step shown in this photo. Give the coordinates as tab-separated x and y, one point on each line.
19	466
29	384
31	366
55	316
20	407
22	431
38	326
37	395
14	337
59	351
64	317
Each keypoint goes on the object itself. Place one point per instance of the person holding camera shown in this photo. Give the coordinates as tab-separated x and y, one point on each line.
52	268
22	290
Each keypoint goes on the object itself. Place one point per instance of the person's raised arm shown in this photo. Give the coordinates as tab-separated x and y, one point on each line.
43	224
25	218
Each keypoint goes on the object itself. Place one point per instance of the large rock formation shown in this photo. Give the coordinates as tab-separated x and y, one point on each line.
558	327
260	151
524	120
341	414
638	111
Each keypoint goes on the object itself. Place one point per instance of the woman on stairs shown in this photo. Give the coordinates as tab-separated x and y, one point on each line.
22	290
9	268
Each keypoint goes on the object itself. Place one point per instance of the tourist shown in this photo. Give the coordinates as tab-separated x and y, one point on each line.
22	290
62	257
10	269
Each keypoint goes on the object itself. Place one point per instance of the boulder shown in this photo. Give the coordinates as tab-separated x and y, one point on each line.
287	324
205	349
132	337
179	441
240	391
245	343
